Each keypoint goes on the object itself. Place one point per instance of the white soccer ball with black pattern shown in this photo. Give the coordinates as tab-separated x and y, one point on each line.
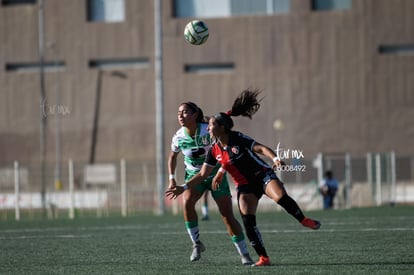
196	32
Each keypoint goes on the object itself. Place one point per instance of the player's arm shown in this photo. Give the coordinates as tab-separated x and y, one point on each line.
172	164
266	151
218	178
196	180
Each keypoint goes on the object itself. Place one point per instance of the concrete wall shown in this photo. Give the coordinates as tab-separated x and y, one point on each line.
321	74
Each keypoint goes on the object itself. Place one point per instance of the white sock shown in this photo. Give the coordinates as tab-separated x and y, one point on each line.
194	234
204	210
241	247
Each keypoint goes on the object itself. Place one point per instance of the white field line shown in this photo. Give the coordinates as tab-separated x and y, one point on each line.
359	225
170	227
89	228
138	228
302	231
180	232
71	236
23	237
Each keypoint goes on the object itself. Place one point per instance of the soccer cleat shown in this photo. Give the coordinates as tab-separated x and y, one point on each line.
263	261
312	224
205	218
246	260
197	249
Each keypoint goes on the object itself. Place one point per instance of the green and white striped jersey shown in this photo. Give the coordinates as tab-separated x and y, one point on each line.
194	149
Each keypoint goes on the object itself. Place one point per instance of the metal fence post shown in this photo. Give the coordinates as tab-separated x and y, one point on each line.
17	190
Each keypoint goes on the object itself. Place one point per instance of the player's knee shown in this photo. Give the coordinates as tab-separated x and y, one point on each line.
275	190
189	202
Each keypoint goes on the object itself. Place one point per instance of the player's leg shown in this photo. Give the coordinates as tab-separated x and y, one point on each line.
328	201
275	190
190	198
234	228
247	203
222	197
331	202
204	207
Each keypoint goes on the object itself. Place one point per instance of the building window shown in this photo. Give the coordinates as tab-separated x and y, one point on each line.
119	63
17	2
209	68
227	8
397	49
323	5
106	10
34	67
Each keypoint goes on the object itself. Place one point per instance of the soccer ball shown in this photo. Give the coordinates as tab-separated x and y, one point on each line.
196	32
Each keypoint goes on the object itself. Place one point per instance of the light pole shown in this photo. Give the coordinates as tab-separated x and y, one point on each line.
58	134
95	124
43	117
159	102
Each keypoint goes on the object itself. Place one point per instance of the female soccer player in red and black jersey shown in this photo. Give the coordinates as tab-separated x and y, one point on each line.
194	141
253	177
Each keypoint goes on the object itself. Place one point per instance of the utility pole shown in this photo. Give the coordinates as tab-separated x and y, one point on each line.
58	121
98	97
43	110
159	103
96	117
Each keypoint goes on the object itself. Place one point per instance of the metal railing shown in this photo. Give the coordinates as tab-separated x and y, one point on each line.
371	180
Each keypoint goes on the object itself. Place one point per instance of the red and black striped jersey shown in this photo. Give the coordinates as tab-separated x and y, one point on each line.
238	159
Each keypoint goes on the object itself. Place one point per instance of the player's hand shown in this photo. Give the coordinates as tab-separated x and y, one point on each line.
174	193
278	163
218	178
172	184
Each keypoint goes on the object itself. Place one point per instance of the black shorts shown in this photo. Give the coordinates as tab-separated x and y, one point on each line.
258	186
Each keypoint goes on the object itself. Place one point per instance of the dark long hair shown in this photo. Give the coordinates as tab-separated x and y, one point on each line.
246	104
195	109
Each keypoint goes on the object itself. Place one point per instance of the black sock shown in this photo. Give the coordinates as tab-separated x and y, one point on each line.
253	234
291	207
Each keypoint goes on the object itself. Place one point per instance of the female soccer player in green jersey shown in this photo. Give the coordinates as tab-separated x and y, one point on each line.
193	140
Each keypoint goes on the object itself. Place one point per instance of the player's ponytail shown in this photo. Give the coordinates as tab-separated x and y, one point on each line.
246	104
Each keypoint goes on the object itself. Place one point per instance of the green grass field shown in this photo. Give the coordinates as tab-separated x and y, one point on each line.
356	241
